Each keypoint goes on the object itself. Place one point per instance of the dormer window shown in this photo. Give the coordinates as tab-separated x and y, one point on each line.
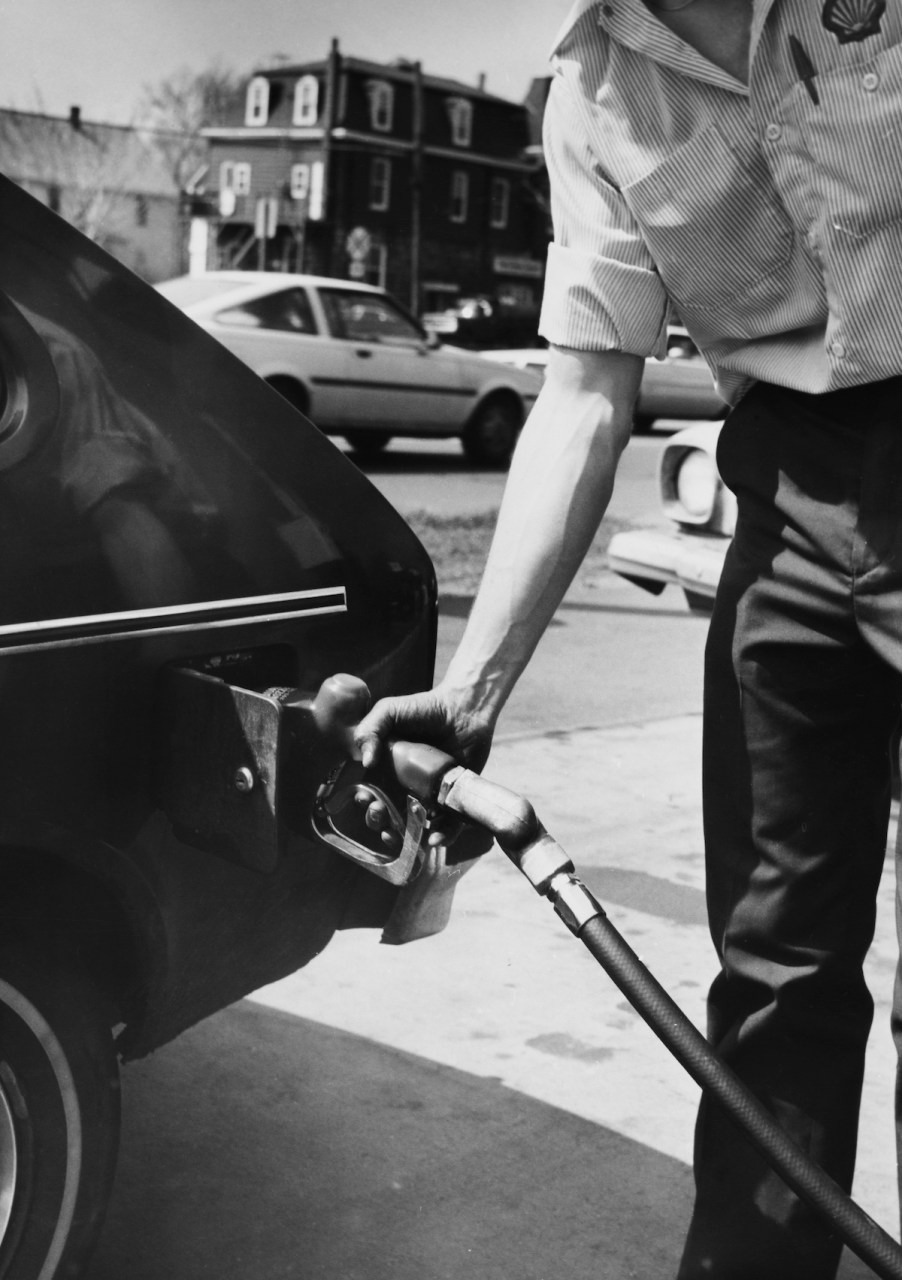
382	103
256	109
460	113
306	101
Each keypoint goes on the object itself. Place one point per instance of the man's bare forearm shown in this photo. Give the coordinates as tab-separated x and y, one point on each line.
557	491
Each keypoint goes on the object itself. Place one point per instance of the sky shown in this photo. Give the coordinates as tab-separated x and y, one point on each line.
101	54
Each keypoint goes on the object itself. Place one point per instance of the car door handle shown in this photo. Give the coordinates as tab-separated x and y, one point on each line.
364	353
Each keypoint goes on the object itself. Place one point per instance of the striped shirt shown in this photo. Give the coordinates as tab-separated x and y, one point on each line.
769	215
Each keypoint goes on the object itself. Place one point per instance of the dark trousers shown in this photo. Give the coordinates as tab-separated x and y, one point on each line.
803	684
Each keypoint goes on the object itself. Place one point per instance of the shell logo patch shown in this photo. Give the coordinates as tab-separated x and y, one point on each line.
851	20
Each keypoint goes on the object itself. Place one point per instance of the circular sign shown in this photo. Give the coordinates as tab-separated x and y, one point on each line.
359	242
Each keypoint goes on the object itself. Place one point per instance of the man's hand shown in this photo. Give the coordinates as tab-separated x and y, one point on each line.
434	717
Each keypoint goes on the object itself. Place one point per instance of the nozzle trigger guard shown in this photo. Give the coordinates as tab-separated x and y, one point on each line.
337	794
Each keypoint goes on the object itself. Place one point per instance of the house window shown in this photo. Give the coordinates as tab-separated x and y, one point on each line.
140	211
460	195
382	102
380	182
256	109
460	113
499	202
306	101
235	176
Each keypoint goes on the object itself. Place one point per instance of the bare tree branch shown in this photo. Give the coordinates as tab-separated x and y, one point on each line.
176	110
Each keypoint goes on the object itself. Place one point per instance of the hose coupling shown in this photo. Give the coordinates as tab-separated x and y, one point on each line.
573	902
541	861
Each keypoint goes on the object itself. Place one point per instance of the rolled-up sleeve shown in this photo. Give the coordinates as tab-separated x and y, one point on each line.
602	291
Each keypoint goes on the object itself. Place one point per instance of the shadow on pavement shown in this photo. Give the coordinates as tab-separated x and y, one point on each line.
264	1145
260	1144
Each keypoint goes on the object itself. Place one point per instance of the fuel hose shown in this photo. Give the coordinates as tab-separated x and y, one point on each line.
544	863
850	1222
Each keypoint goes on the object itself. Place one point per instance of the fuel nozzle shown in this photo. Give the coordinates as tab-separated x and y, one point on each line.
337	709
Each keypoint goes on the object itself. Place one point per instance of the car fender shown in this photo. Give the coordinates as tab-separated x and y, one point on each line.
35	853
721	518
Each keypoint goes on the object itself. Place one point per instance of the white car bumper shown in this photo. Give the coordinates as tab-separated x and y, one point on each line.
654	558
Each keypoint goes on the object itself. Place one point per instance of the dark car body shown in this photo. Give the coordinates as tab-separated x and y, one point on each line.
180	548
484	322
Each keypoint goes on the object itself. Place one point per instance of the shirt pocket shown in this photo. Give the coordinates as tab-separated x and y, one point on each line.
713	224
854	136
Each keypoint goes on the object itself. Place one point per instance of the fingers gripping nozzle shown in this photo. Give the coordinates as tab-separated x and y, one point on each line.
433	780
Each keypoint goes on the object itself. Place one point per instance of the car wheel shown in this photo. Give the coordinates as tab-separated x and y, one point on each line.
491	433
642	424
367	443
59	1113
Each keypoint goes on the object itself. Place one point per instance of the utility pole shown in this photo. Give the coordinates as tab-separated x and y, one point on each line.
416	187
332	73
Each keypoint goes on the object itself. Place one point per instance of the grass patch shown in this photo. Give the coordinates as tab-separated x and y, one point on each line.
459	545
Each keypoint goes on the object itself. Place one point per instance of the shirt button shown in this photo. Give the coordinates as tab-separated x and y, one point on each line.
773	132
870	81
837	350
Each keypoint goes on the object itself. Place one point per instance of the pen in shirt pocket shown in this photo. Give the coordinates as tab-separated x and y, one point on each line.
805	68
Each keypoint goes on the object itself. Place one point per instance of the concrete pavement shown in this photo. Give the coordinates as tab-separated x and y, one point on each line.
482	1104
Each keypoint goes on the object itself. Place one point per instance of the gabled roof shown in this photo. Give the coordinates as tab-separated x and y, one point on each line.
78	153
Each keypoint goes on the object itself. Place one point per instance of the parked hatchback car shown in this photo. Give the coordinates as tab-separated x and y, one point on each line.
688	552
679	386
349	356
186	562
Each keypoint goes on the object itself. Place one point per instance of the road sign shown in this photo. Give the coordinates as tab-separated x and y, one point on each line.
359	243
357	268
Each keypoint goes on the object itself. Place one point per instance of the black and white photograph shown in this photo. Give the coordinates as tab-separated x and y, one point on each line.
450	639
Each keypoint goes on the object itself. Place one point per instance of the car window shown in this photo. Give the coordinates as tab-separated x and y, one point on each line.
288	310
365	317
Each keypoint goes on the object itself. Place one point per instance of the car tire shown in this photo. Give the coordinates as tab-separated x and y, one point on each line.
492	432
367	443
59	1111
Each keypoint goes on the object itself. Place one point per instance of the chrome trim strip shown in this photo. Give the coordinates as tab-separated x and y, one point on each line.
202	616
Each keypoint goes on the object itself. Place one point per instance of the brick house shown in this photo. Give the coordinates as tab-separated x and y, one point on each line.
110	181
379	172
